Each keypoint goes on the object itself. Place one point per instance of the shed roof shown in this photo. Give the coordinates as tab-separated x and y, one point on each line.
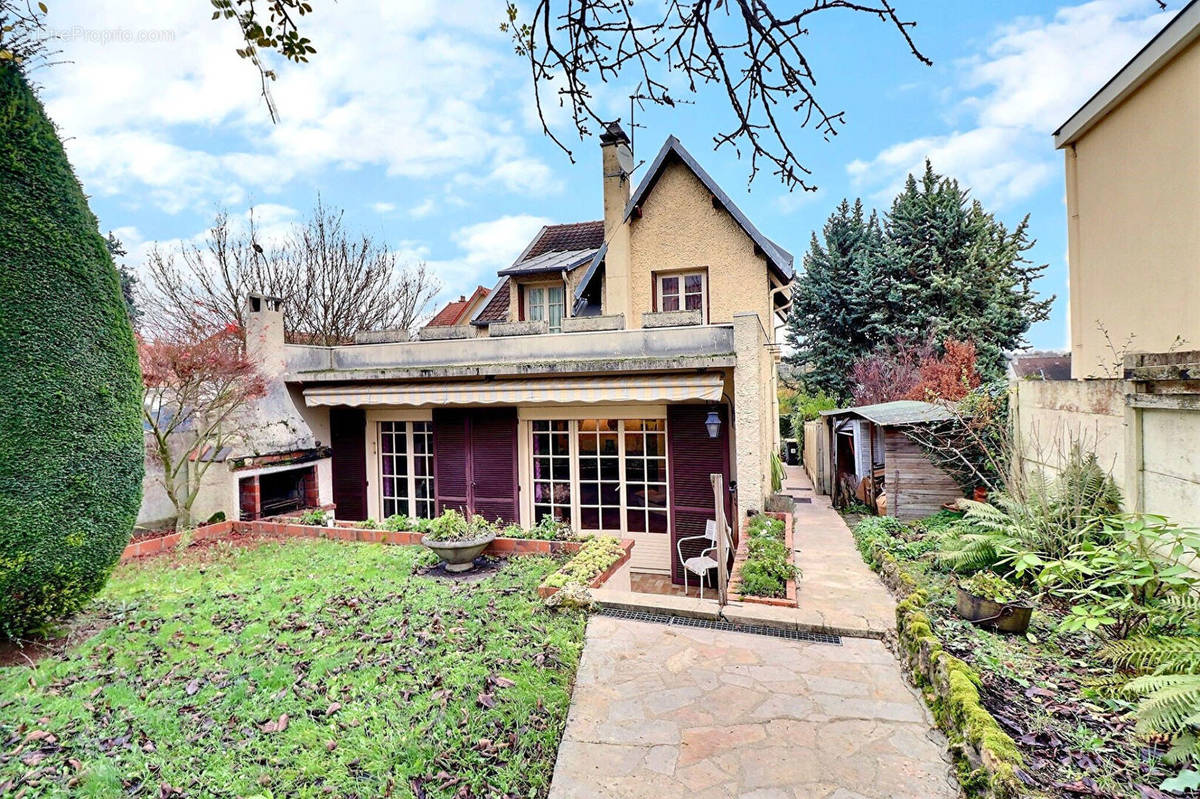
891	414
553	261
496	308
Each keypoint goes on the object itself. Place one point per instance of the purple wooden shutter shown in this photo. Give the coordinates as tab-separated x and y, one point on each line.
348	434
493	433
692	457
450	459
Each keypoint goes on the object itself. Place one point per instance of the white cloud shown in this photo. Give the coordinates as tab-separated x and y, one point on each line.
423	209
485	248
398	86
383	208
1032	75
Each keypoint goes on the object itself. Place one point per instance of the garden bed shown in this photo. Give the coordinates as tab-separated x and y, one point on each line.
789	598
1028	714
626	551
298	668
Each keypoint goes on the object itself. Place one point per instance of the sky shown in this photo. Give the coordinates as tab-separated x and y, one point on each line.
417	118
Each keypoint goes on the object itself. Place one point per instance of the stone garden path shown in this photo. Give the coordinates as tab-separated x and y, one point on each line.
664	712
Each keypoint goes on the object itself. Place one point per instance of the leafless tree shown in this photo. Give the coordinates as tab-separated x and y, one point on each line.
752	49
334	282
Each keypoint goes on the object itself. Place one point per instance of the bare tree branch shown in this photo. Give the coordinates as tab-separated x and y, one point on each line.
743	47
334	283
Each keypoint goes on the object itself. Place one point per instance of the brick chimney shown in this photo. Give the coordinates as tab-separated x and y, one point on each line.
617	161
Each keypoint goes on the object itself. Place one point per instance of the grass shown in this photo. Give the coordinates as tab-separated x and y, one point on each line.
307	668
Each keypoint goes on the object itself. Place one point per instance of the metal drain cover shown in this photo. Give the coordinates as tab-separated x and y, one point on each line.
717	624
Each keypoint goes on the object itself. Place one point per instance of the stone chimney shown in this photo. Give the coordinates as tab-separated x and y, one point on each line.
264	334
617	160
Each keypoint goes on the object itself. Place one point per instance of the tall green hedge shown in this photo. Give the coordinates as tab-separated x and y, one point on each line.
71	453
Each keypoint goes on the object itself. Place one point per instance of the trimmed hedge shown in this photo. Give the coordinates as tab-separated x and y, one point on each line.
71	451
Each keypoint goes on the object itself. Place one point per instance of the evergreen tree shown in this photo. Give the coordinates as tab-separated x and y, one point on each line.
939	268
128	279
71	447
953	271
827	324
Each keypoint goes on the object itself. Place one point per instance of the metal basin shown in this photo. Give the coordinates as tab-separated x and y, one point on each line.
1009	617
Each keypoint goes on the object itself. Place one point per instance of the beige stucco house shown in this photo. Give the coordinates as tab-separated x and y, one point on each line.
1132	157
613	367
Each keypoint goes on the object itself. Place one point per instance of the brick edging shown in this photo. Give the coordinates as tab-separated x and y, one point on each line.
340	532
627	552
789	599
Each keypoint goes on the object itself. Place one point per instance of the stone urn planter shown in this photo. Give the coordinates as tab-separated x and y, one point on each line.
459	556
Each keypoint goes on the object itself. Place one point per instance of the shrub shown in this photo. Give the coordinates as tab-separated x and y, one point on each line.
548	529
994	587
71	449
768	564
807	407
452	526
313	518
593	559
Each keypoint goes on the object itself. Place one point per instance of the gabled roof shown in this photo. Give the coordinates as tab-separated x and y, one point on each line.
778	257
551	262
496	308
455	310
1179	33
890	414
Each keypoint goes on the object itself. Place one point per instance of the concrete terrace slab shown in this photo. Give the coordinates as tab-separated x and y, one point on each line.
837	592
661	712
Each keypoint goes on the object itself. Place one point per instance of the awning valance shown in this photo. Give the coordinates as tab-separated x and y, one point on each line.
568	390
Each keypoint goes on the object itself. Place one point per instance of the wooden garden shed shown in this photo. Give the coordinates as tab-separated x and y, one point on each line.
873	461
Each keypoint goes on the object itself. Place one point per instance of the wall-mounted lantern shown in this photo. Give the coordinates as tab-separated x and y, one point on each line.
713	423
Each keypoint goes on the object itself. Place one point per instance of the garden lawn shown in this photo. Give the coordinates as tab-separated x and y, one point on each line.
305	668
1044	689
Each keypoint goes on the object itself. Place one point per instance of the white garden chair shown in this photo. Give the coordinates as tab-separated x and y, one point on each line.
700	565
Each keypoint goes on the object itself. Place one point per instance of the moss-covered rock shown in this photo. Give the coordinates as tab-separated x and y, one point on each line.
70	391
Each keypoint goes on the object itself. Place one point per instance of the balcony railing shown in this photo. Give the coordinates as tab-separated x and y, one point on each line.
696	347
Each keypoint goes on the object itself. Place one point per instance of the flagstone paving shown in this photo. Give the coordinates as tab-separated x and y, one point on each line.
661	711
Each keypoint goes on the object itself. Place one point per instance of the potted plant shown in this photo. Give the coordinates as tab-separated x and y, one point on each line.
991	601
458	541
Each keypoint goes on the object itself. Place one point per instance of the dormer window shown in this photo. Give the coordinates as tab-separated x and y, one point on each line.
545	304
684	291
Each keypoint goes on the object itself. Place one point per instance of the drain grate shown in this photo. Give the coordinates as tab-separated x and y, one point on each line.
716	624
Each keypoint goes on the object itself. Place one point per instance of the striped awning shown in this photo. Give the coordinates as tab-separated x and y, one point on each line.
562	391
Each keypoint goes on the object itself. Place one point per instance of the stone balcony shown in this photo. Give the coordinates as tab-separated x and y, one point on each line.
642	350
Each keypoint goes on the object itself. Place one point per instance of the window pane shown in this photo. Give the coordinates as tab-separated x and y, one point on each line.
657	521
692	283
693	302
635	444
636	519
656	445
670	285
554	302
610	469
658	425
656	496
535	304
670	303
656	470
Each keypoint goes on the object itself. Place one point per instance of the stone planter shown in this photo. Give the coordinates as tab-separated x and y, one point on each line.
459	556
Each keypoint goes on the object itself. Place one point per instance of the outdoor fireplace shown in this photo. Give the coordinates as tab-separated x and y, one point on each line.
273	493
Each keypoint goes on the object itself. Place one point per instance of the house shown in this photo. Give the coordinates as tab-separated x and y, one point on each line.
869	458
615	365
456	314
1132	167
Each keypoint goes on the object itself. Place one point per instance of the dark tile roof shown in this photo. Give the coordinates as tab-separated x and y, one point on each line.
497	308
563	238
1042	365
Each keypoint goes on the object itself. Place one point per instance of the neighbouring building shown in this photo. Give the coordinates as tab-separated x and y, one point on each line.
1133	200
616	364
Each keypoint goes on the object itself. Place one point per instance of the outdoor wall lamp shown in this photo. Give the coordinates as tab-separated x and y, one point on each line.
713	423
